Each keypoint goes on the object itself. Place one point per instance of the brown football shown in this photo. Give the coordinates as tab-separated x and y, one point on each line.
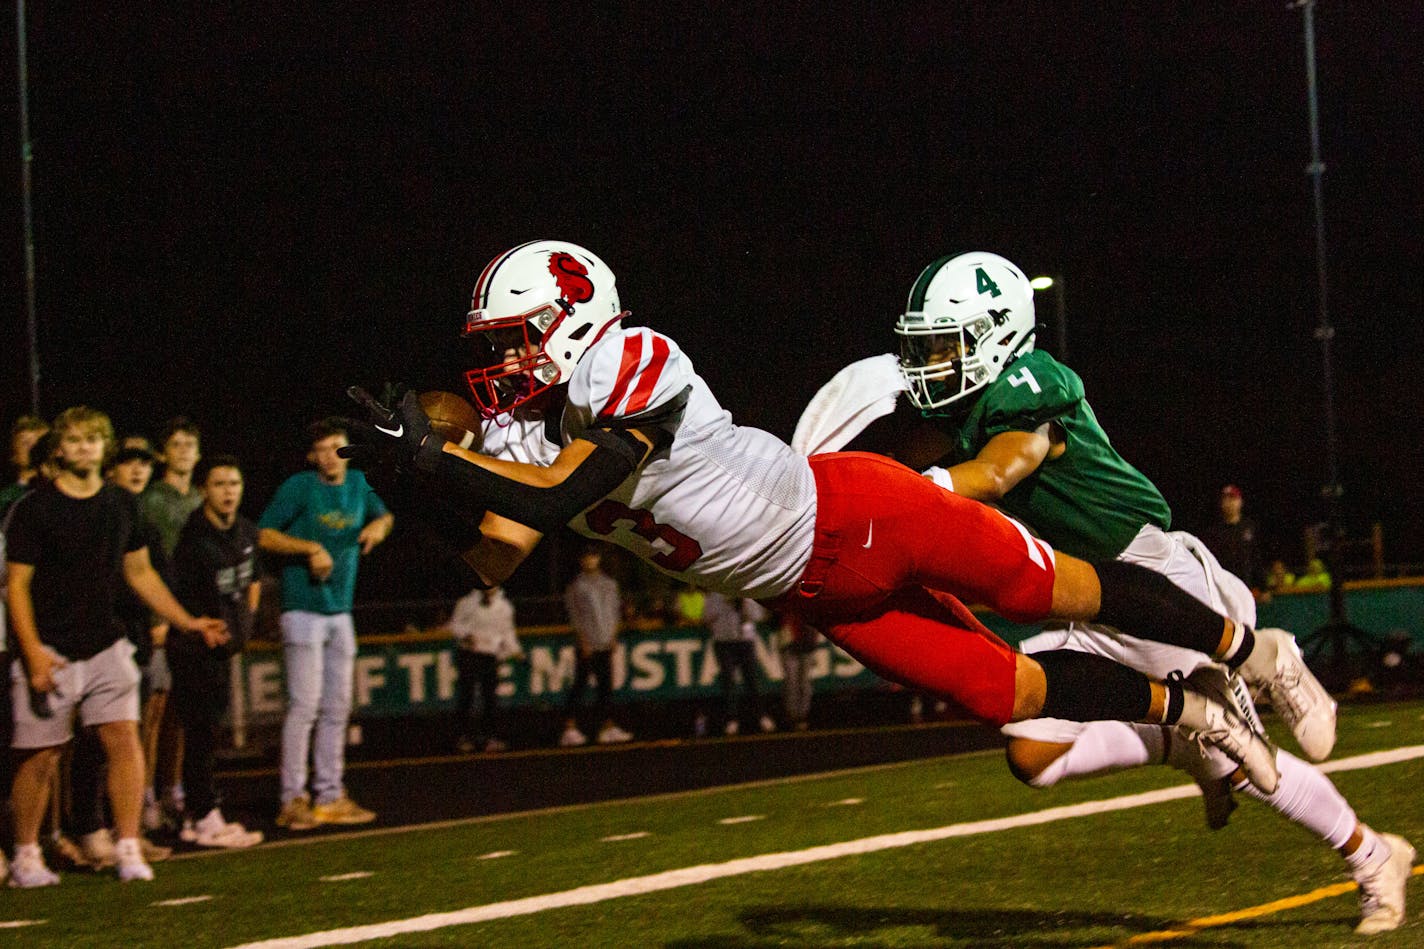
452	418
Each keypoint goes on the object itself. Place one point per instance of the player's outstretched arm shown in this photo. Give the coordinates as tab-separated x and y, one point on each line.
502	547
545	497
1004	461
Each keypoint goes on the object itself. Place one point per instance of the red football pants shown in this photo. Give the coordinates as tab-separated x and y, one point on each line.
894	555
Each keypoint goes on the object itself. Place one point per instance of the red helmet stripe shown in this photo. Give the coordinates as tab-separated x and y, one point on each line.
627	369
648	378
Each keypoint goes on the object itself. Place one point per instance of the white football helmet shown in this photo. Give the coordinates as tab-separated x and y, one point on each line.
538	307
967	318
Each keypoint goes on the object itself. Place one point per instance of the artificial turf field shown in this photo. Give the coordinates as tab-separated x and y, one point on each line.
878	856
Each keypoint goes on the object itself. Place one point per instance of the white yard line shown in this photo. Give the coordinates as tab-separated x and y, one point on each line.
183	901
688	876
332	837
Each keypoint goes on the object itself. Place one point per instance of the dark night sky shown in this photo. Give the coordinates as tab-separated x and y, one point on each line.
243	210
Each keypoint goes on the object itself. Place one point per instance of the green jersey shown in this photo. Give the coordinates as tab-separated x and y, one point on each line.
1088	501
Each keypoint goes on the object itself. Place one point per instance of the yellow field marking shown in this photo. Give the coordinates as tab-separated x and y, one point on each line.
1194	926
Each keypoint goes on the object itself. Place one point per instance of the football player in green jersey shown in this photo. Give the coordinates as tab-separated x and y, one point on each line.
1024	438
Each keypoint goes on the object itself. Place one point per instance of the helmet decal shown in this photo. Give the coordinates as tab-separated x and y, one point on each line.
571	276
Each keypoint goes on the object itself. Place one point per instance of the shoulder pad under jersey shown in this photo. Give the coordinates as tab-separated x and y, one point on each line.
629	377
1034	389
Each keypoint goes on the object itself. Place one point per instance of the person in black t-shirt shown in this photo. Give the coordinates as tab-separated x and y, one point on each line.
72	545
214	573
1234	540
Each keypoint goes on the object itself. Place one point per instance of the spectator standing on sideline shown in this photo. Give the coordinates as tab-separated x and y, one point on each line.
165	507
798	641
1314	579
323	520
72	542
1279	579
1234	539
131	470
25	431
595	610
36	452
688	605
214	573
483	626
732	623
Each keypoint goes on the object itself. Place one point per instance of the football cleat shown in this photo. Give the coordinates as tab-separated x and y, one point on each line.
1382	890
1223	728
1276	666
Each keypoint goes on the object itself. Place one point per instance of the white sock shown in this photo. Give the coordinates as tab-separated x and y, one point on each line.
127	849
1371	853
1307	797
1104	746
28	850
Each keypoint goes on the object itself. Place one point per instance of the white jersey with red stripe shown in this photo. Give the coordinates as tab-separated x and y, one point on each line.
726	507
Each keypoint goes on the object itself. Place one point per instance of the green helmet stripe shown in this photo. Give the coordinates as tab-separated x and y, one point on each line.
922	285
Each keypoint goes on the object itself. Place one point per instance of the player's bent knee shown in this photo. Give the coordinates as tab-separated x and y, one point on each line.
1077	593
1030	688
1033	762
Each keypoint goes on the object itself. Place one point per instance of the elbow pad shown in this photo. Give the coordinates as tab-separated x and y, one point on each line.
615	455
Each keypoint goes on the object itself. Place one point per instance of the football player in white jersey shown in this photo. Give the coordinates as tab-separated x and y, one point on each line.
609	429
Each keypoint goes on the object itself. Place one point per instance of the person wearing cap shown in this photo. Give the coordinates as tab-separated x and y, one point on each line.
1234	539
26	430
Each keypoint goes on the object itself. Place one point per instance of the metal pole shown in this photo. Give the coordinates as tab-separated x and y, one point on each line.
1337	631
1324	331
26	155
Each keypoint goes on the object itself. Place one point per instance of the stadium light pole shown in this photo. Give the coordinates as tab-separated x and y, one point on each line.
1061	326
26	154
1337	631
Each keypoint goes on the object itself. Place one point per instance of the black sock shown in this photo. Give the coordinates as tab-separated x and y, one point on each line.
1243	649
1147	605
1083	687
1176	700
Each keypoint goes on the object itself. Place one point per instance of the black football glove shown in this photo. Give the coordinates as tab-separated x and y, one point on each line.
403	435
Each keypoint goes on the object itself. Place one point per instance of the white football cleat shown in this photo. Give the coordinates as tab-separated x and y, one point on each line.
1298	697
572	738
1382	889
1211	722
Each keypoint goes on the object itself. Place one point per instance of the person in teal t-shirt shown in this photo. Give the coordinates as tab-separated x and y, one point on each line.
1025	438
323	521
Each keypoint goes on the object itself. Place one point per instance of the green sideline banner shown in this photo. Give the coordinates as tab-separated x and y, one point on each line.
416	675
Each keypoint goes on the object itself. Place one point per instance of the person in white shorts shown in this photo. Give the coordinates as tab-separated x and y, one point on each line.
72	542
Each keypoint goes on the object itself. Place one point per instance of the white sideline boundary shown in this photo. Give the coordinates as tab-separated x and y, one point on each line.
688	876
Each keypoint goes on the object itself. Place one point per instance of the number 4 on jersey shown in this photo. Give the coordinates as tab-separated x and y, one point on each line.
985	283
1025	378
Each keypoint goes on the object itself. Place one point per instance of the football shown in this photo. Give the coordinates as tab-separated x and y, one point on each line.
452	418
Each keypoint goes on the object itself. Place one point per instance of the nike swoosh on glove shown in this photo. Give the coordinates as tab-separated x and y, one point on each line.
403	434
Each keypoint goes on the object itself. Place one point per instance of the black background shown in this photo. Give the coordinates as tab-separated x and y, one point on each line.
243	208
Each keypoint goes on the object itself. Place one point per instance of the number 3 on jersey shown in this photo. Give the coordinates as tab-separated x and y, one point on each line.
673	550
